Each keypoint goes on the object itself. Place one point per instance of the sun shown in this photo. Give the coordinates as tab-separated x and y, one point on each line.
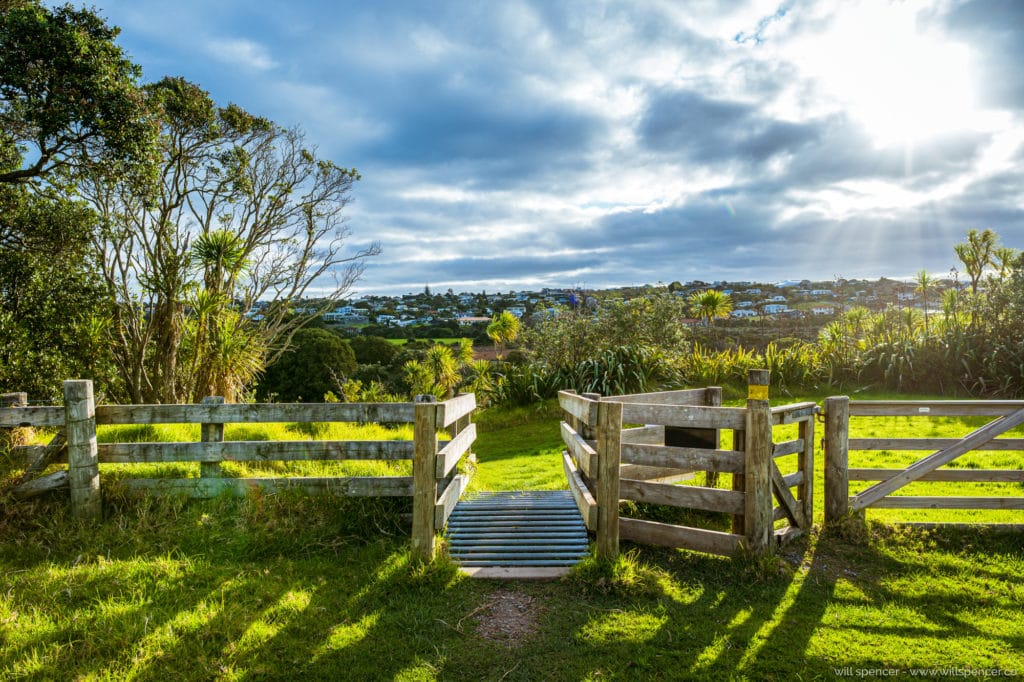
901	80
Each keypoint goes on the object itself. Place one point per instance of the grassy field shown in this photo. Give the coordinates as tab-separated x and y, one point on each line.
285	587
445	340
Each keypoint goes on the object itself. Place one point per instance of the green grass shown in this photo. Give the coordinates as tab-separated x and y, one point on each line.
287	587
448	340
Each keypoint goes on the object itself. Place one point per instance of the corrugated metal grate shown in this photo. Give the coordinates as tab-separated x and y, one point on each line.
531	528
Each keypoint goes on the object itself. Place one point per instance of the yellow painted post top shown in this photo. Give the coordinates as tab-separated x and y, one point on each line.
757	384
755	392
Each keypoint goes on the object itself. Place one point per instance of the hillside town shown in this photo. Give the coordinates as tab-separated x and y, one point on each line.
793	299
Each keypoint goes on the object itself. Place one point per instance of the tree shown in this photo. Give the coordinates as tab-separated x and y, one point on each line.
319	362
373	350
69	98
976	254
503	329
266	218
69	105
52	307
710	304
924	283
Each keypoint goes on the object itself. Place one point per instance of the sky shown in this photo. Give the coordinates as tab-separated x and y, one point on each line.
521	145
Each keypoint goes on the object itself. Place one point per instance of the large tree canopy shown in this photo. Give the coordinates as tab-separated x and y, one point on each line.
68	96
207	273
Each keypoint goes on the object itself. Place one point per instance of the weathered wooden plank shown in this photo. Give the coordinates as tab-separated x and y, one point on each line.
950	475
516	572
260	450
354	486
924	502
58	480
687	416
449	498
456	408
609	452
784	535
211	433
934	408
934	461
931	444
83	464
585	501
254	413
579	407
666	535
805	465
451	453
689	496
424	468
12	417
581	451
790	414
790	447
738	444
837	483
691	459
689	396
780	488
757	475
644	435
795	478
640	472
37	457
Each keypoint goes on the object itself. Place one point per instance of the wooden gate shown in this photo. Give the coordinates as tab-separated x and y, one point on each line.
838	444
606	463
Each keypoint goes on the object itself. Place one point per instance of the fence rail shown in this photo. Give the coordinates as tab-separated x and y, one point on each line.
434	486
681	433
838	473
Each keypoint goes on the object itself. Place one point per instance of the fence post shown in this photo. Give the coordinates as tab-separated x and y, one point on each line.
424	475
805	491
713	398
589	431
211	433
83	457
609	443
758	502
739	444
837	474
19	435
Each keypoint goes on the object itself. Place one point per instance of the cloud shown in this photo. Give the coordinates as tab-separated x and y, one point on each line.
538	143
241	52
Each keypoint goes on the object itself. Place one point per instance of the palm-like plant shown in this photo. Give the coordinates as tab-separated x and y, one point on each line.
709	305
924	283
503	330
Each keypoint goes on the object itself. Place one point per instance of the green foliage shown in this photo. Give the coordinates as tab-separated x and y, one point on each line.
373	350
69	100
319	362
53	310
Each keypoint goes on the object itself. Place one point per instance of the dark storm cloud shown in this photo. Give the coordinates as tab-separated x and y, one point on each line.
713	131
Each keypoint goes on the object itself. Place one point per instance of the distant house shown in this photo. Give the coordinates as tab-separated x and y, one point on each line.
823	309
778	299
743	313
517	310
775	308
821	292
466	321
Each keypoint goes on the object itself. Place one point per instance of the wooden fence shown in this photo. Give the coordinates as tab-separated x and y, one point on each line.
838	444
434	485
606	463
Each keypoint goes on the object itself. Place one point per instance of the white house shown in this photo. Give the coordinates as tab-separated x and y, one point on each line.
774	308
743	313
